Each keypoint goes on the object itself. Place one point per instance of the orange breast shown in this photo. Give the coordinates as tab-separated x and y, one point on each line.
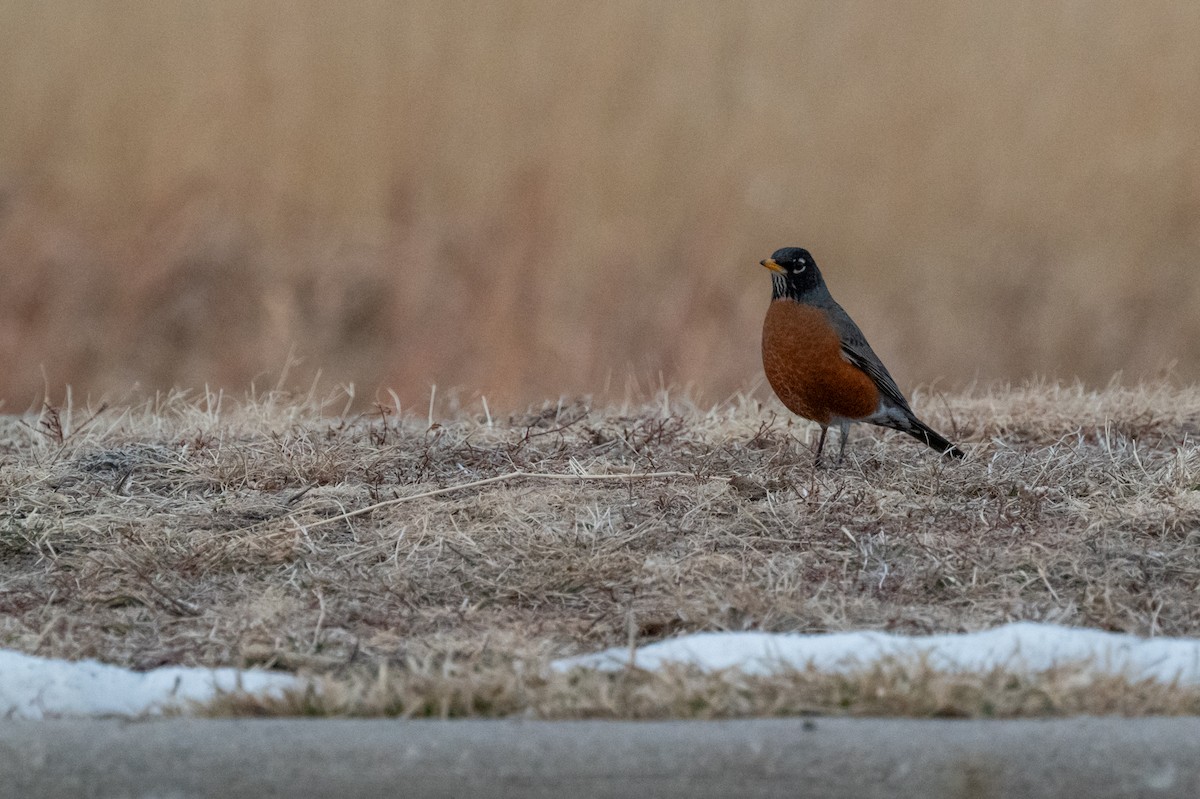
802	357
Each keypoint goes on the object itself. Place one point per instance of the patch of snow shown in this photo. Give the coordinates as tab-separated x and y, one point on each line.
35	688
1025	647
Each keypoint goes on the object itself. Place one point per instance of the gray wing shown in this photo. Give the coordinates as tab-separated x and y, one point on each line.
857	351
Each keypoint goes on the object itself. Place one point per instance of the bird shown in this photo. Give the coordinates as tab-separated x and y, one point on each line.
819	363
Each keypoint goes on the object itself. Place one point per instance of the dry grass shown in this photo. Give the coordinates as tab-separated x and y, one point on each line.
205	531
889	689
529	197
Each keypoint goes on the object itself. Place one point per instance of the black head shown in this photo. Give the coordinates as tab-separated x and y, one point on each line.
794	273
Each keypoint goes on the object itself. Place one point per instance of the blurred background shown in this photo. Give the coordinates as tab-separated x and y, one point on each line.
531	199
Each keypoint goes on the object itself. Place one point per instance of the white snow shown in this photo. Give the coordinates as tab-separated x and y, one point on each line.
1025	647
35	688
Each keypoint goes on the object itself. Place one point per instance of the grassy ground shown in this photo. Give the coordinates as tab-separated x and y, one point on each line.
432	568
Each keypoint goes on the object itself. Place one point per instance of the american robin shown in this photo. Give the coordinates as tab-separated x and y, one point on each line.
820	364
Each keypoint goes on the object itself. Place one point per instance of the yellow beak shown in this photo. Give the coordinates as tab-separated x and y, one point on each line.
770	264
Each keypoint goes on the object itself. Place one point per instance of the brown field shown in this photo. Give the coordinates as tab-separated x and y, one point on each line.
432	566
535	199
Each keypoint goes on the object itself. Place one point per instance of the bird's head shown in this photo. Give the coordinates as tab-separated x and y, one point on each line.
794	272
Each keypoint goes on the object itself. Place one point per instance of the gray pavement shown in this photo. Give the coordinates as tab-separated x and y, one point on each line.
860	758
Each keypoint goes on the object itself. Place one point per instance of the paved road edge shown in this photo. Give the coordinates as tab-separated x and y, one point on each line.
861	758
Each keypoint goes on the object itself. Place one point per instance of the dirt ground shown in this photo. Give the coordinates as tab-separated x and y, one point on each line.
428	566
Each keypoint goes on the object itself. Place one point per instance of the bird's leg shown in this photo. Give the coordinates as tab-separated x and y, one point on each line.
820	445
845	435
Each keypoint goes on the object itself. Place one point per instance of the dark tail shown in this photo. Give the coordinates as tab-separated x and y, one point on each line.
923	432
